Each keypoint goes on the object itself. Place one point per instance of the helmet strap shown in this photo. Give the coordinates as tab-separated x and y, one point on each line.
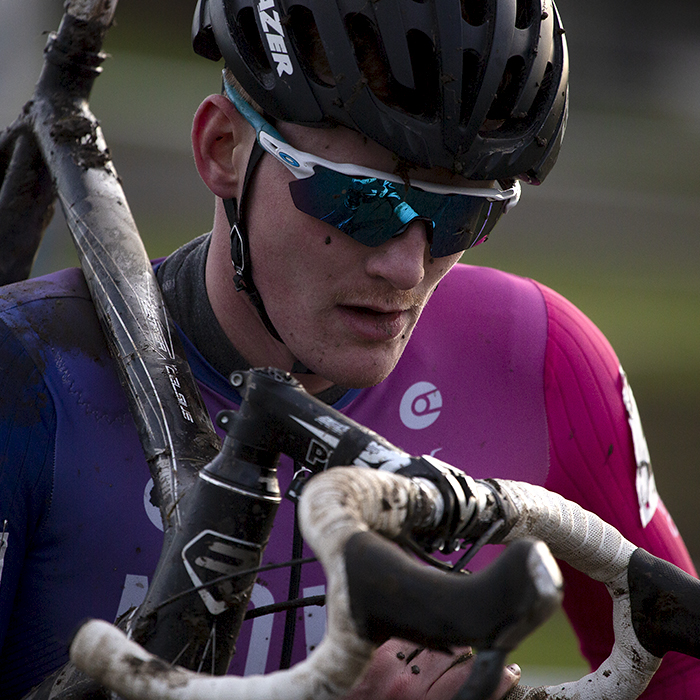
240	254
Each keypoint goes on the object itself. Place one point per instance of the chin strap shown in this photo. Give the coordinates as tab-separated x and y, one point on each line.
240	255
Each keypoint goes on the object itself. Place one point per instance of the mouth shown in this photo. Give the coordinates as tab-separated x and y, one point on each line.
374	311
376	324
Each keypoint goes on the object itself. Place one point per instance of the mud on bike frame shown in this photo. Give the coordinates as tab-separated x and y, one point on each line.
56	149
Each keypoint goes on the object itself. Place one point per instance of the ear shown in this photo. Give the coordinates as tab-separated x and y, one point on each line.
221	140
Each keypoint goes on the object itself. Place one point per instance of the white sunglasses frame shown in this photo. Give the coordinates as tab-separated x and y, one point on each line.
301	164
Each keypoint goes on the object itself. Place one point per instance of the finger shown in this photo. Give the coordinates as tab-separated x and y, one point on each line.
509	679
402	671
449	682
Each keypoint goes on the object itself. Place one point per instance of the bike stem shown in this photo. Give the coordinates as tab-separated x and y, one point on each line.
191	616
279	415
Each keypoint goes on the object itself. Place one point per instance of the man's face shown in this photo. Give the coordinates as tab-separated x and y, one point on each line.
344	309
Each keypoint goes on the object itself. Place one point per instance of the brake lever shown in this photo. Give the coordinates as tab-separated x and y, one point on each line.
391	595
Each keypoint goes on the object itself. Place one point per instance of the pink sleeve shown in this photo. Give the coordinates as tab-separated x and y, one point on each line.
593	463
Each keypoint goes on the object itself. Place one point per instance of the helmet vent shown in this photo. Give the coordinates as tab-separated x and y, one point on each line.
472	67
310	52
424	98
544	94
475	12
519	123
526	11
251	44
421	100
509	90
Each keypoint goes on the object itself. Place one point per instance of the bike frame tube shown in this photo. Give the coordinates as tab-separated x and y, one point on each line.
174	427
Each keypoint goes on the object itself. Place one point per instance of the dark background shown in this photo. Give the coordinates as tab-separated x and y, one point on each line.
614	228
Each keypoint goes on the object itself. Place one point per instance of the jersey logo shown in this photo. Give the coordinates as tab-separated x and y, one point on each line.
272	26
420	406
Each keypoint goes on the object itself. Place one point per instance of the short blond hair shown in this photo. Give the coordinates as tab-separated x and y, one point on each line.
232	80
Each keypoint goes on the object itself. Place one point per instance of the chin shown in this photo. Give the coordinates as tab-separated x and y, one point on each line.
354	365
360	376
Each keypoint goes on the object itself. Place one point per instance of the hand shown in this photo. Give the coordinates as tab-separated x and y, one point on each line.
400	671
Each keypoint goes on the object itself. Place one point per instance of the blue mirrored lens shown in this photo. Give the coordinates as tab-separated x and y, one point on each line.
372	211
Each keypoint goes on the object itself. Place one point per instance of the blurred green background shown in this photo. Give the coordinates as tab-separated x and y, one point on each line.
614	227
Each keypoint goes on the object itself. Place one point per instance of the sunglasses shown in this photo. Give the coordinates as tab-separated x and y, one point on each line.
371	206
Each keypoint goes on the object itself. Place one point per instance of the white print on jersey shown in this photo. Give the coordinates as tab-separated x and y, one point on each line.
152	511
420	406
4	538
647	495
272	26
133	593
314	619
136	587
260	635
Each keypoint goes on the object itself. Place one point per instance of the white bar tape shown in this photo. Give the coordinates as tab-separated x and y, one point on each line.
333	507
596	548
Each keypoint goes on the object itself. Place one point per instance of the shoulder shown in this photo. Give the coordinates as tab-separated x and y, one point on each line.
497	298
479	311
52	313
579	357
470	295
68	283
65	284
53	323
462	279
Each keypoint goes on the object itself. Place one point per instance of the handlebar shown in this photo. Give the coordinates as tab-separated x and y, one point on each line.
656	605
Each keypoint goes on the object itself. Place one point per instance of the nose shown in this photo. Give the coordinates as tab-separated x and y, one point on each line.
401	260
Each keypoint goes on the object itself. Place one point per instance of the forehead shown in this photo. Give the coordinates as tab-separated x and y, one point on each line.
342	145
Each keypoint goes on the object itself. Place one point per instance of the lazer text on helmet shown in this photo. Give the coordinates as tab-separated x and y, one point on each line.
272	26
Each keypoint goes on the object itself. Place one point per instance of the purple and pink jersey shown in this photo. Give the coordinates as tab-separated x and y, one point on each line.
502	378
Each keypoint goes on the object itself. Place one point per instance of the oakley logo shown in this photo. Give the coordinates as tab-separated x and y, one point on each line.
288	159
420	406
271	25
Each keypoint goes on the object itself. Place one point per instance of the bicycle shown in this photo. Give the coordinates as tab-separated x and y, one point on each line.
438	504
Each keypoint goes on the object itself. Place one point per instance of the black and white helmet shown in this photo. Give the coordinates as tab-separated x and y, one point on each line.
476	86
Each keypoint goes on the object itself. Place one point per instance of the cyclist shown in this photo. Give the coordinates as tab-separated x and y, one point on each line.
448	104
